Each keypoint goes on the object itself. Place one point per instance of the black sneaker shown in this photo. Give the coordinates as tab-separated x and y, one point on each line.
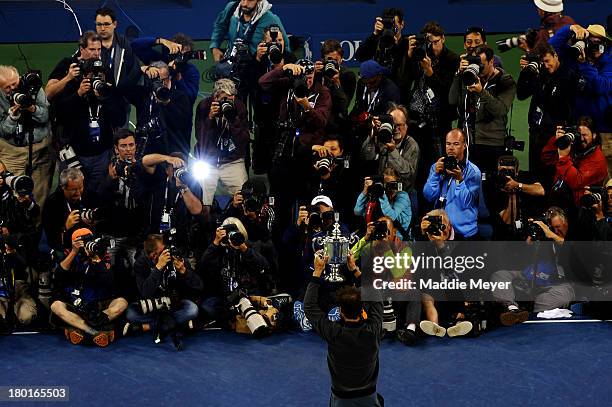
513	317
407	337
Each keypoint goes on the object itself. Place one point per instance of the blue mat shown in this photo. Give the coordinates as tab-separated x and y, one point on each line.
542	364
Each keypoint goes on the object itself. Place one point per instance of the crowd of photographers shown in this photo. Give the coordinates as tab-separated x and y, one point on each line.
134	238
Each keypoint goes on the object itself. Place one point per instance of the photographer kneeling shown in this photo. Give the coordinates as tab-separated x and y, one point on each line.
85	294
165	284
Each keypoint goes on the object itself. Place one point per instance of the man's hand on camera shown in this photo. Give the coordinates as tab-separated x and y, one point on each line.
112	171
238	200
73	219
77	245
73	72
219	235
427	66
302	216
597	207
163	260
378	26
456	173
580	32
320	262
547	232
243	247
318	66
150	71
376	124
214	110
411	45
217	54
84	87
369	230
523	62
295	69
175	162
439	168
390	146
321	150
262	50
173	47
511	185
15	111
179	265
367	182
463	63
303	102
475	88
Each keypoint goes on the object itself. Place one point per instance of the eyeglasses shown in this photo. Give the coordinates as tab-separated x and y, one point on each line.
103	24
435	42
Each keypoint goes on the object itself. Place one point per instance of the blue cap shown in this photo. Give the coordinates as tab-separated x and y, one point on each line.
371	68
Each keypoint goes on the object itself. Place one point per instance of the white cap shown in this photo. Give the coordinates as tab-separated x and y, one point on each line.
322	199
551	6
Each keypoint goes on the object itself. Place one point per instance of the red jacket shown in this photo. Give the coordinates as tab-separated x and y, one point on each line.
550	25
592	169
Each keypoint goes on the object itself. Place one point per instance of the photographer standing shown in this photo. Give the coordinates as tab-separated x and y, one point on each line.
167	286
86	297
22	125
551	20
353	342
222	136
432	67
454	185
483	95
552	86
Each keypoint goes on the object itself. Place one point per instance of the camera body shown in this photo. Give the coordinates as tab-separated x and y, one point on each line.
91	215
385	131
233	235
184	57
534	63
330	68
571	137
535	231
596	196
161	92
436	225
299	83
21	184
98	79
422	48
500	178
377	189
450	163
227	107
511	144
506	44
472	72
29	85
96	245
381	231
387	36
124	168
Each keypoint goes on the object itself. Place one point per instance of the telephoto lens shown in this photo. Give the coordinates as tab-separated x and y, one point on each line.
228	109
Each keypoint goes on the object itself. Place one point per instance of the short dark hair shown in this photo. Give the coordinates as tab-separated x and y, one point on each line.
150	244
483	49
334	137
433	28
545	48
88	36
120	134
106	11
349	299
331	46
589	123
472	30
394	11
183	39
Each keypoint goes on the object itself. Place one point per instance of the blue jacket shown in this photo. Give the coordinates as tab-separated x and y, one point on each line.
399	210
220	31
462	199
190	83
595	99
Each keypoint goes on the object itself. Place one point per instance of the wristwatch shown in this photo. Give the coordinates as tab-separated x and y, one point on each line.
520	187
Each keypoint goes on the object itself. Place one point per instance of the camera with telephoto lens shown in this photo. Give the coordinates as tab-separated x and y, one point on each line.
325	165
314	216
161	92
511	144
470	75
251	201
299	83
98	82
387	36
29	85
233	235
243	306
381	231
183	175
227	107
385	131
124	168
91	215
422	47
22	184
533	63
151	305
450	163
500	178
576	47
96	245
506	44
331	68
535	231
68	157
571	136
184	57
595	197
436	225
274	50
377	189
235	62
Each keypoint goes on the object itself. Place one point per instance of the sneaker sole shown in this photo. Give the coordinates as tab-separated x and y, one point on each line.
513	318
432	329
103	339
75	337
460	329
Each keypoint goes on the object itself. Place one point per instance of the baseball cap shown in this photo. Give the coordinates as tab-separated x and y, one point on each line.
551	6
80	233
322	199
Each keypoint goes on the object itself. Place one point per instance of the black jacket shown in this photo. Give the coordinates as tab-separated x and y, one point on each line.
352	348
150	280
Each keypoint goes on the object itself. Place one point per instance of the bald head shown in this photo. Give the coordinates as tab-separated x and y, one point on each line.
455	144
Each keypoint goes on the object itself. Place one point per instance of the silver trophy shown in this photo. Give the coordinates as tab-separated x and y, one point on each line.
336	247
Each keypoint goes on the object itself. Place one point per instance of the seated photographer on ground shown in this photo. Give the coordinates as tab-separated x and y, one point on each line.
17	206
454	185
385	197
544	276
231	265
85	294
176	202
340	81
164	112
167	288
353	340
517	196
552	85
222	135
63	211
24	118
461	317
578	160
392	146
16	295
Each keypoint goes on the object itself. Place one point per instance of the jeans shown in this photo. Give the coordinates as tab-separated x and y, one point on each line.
213	308
187	311
95	169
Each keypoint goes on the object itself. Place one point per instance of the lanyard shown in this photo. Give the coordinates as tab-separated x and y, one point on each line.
371	99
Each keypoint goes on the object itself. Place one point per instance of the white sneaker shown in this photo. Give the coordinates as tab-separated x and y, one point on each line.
433	329
460	329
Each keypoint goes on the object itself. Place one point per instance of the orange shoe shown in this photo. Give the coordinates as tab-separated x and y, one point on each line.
104	338
74	335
